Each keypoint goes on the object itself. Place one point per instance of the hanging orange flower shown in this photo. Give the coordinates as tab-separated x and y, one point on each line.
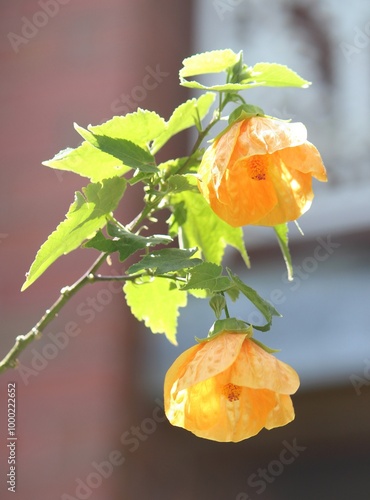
228	389
260	172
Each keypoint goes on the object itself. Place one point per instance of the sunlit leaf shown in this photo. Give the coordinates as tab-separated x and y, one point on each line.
126	151
157	304
214	61
184	116
85	216
88	161
200	227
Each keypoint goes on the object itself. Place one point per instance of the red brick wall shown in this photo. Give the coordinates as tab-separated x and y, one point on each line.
73	67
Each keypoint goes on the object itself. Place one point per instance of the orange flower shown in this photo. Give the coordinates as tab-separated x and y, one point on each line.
260	172
228	389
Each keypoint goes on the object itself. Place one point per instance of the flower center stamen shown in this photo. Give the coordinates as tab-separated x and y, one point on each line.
231	392
257	168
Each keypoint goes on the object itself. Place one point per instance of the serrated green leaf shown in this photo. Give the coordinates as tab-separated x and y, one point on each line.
127	152
157	304
128	243
201	227
86	215
186	115
88	161
207	276
281	231
140	127
275	75
267	310
214	61
166	260
261	74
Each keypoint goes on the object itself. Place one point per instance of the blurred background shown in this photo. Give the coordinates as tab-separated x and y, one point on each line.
90	422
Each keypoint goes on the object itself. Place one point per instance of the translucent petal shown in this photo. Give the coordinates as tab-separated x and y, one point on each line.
240	419
306	159
258	369
262	135
213	358
282	413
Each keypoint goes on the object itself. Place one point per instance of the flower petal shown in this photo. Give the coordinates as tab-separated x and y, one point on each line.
258	369
282	413
262	135
213	358
242	199
306	159
293	190
176	370
238	420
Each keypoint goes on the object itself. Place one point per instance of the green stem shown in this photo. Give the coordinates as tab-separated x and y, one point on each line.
227	314
10	360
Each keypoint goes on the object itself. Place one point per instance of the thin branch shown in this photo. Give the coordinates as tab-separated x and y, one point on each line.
10	360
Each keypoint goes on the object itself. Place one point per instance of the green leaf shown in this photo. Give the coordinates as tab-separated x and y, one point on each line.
166	260
85	216
101	243
207	276
88	161
261	74
275	75
156	303
140	127
129	153
186	115
180	183
267	310
127	243
171	167
281	231
200	227
208	62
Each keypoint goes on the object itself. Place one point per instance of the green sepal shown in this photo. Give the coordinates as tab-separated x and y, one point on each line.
244	112
265	347
217	303
232	325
